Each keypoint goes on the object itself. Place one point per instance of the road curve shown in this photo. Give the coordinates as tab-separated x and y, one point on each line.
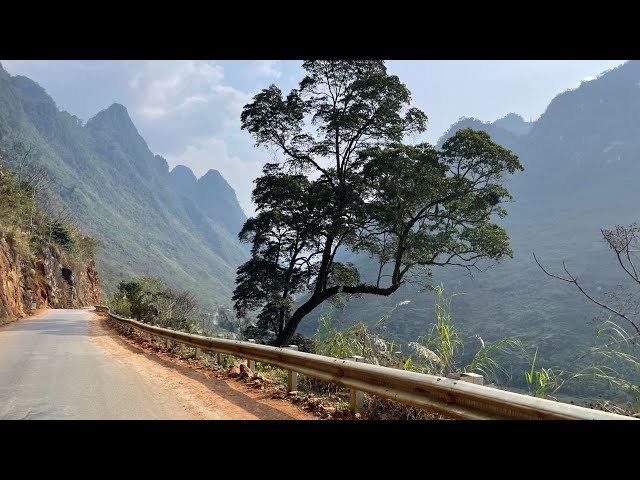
64	364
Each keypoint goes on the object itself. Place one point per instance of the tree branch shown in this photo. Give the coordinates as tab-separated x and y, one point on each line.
573	280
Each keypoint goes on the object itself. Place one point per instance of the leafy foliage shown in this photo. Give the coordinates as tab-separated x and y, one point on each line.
581	170
538	380
149	300
59	233
25	224
347	181
29	231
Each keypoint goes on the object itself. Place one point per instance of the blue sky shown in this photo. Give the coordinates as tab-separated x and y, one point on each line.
189	111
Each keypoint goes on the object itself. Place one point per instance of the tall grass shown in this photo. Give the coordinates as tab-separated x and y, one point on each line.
441	350
611	365
438	352
538	380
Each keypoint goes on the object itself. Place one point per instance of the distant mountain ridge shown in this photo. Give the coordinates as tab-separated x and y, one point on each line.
124	195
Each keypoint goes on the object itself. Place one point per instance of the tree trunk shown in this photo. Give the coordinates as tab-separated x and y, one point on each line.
290	329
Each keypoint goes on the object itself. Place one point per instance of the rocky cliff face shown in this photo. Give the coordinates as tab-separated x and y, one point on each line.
41	279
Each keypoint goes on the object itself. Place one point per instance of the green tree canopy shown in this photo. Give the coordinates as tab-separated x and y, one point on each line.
347	180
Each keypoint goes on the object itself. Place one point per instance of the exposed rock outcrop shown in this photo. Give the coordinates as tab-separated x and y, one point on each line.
41	280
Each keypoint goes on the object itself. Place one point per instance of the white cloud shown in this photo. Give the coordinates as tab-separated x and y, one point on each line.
177	103
134	82
164	85
267	68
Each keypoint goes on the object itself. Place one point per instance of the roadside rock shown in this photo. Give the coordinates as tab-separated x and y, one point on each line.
245	372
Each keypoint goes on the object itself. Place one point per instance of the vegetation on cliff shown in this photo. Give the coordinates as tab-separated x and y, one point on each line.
36	245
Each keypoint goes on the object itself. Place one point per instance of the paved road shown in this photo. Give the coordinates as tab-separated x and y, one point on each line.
50	368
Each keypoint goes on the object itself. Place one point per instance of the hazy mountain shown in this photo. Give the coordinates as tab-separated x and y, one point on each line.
513	123
123	194
212	194
581	165
499	131
183	180
582	161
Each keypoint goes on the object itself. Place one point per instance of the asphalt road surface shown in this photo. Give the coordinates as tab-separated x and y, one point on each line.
50	369
68	364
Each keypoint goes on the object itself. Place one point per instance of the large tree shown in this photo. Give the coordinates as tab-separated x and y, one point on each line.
347	180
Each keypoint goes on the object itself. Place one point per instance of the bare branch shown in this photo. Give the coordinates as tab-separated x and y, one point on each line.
619	240
574	280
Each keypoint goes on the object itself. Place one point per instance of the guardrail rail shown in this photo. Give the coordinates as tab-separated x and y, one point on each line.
449	397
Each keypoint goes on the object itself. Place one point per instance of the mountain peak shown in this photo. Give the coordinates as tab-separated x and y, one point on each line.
218	199
513	123
32	91
181	171
213	173
510	117
114	118
183	179
214	179
117	110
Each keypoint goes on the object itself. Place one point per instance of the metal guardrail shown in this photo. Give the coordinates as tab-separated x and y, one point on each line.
452	398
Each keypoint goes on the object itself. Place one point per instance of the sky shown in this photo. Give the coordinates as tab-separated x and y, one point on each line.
189	111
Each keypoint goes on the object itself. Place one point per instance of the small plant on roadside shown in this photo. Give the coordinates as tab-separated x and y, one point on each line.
539	381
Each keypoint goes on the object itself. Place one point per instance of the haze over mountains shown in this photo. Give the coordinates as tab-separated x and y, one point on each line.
581	160
148	220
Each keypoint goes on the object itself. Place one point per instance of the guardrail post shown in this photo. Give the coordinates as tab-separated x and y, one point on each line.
168	344
251	363
472	378
292	377
356	401
198	352
218	354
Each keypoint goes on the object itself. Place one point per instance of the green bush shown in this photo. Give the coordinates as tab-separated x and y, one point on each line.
60	234
149	300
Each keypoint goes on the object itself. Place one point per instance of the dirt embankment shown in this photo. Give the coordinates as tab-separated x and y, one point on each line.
204	394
